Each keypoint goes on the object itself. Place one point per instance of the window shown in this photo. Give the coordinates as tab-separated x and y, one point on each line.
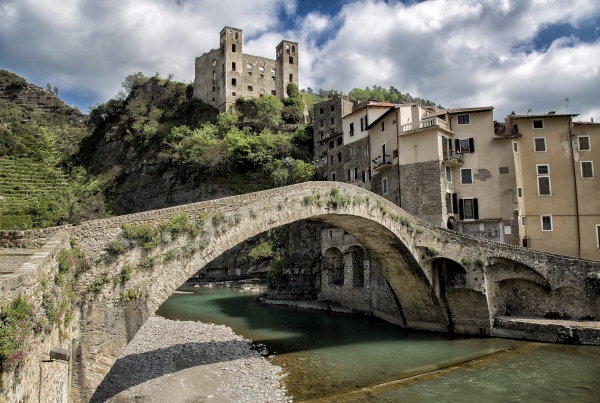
291	60
333	176
261	69
503	170
332	121
273	72
587	169
539	144
214	76
234	82
543	178
291	77
233	66
366	176
449	203
339	157
236	35
250	88
463	120
395	154
384	186
249	67
448	174
331	144
464	146
330	233
293	50
339	141
351	129
520	192
598	236
331	160
233	47
214	89
466	176
468	209
546	223
362	126
273	92
214	62
366	151
322	123
383	156
515	147
332	108
584	143
320	111
352	151
233	94
366	121
352	174
382	127
523	221
538	124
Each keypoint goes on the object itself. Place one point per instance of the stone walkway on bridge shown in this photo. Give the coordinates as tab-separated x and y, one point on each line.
548	330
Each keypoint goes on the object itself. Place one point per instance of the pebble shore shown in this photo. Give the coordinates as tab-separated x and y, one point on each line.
176	361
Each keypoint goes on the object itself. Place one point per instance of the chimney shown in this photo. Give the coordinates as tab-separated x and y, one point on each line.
552	113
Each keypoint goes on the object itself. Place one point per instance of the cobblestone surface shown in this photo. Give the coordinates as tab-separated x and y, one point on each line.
173	361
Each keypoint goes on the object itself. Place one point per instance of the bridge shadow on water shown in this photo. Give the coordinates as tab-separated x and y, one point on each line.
135	369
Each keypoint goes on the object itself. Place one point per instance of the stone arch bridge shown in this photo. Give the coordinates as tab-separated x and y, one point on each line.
443	280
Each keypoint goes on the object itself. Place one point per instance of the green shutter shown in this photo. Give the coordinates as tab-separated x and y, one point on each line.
461	209
475	209
471	144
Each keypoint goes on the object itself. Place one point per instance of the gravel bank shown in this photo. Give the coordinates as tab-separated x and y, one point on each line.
173	361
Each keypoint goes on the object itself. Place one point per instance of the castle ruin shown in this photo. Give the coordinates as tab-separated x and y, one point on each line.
225	74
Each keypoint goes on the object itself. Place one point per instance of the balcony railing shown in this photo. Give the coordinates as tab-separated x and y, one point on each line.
428	122
379	163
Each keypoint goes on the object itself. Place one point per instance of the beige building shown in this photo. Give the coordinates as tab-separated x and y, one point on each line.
225	74
559	193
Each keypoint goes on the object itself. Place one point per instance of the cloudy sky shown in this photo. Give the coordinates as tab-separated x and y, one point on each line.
512	54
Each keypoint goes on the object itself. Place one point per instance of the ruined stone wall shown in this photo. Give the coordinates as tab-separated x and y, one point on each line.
26	239
209	80
422	188
35	380
355	157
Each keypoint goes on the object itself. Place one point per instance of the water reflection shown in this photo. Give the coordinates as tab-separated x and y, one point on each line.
328	354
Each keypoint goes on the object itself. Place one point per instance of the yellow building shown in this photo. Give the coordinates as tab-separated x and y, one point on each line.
559	194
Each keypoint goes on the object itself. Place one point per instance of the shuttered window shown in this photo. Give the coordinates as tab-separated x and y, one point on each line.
468	209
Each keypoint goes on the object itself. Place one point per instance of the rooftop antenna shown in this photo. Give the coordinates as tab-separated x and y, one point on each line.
528	109
567	104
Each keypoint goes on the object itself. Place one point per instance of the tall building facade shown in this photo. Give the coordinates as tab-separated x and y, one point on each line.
225	74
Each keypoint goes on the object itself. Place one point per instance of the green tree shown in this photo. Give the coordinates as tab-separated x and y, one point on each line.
268	112
293	111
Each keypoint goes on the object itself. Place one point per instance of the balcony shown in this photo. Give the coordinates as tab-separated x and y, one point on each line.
452	158
425	123
380	164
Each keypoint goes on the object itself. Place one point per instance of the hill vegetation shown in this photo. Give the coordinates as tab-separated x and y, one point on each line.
58	166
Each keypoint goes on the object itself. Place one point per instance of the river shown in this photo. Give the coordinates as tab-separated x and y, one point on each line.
352	358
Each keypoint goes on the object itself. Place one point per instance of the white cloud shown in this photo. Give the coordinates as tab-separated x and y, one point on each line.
457	52
83	46
463	53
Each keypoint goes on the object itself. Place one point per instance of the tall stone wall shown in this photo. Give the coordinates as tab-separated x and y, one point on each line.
391	175
35	378
422	186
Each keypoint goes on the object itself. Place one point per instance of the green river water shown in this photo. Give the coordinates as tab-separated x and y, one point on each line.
350	358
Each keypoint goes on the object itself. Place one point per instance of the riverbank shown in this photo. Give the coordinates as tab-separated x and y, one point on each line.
181	362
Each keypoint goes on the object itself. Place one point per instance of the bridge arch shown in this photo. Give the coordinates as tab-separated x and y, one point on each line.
391	237
109	321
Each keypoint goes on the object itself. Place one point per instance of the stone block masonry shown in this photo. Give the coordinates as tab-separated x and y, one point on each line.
422	187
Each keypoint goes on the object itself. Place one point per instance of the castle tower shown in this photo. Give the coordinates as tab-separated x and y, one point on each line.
287	64
231	66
